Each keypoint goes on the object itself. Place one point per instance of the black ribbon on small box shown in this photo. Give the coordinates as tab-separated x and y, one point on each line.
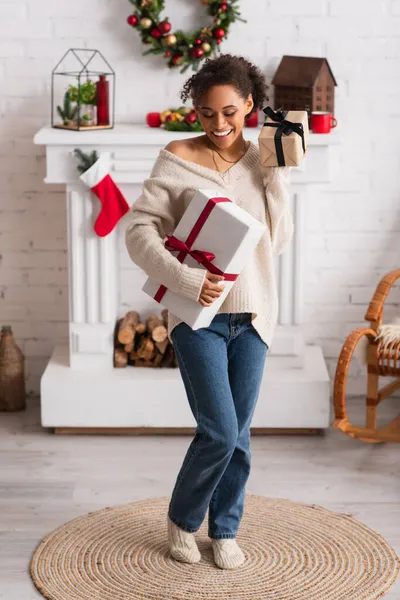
283	127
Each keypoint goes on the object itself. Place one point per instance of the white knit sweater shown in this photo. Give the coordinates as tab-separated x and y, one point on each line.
262	192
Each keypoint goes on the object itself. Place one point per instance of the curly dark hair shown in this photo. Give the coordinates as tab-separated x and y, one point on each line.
227	69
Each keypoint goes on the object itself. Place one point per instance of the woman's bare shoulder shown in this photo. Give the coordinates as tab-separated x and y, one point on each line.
186	149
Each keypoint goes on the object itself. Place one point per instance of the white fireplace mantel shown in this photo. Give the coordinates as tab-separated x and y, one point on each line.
79	381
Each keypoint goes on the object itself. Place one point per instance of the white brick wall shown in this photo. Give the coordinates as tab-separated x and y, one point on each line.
353	224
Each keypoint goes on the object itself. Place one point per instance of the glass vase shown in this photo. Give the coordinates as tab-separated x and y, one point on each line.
87	115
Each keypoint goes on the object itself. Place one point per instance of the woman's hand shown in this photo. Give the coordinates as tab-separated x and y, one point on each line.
211	289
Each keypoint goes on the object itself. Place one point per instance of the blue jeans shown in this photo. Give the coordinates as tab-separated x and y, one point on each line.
221	367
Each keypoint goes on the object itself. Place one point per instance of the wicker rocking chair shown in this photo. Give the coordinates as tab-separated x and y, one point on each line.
383	359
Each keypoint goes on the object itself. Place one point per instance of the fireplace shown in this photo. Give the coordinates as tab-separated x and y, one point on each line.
80	388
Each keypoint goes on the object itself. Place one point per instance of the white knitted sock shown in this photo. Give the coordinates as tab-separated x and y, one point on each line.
227	554
182	545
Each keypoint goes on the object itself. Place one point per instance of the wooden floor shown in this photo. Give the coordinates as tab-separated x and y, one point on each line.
46	480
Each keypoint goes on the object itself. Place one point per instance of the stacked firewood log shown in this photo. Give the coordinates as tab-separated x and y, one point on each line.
143	344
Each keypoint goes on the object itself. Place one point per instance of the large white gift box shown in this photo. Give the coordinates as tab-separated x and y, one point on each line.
223	236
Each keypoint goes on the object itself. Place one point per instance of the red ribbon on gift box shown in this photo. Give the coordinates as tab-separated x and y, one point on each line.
201	256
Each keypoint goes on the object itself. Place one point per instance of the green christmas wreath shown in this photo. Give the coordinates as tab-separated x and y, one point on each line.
180	48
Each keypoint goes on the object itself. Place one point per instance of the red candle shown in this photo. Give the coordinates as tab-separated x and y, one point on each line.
153	119
102	101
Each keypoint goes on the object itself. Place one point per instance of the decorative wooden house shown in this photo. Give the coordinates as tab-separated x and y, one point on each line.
304	83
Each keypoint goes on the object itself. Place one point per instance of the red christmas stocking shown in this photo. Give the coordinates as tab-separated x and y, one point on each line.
113	204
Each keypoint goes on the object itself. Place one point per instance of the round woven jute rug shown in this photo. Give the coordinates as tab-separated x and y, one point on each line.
293	551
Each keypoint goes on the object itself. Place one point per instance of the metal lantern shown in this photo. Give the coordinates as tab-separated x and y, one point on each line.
82	91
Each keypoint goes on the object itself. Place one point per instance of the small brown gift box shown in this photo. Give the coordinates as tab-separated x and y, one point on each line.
283	138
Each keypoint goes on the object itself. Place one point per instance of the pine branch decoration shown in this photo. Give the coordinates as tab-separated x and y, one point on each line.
86	160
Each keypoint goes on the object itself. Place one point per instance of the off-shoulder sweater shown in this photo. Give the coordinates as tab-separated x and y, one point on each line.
262	192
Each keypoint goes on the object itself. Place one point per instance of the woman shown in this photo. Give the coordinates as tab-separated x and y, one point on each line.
221	365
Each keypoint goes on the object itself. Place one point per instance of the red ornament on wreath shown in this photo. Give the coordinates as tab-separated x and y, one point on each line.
132	20
223	7
155	33
219	33
178	59
164	27
197	52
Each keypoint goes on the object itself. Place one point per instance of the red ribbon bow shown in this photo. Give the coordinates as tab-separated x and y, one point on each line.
201	256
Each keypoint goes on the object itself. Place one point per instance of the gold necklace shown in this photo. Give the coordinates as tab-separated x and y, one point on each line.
220	173
232	162
227	173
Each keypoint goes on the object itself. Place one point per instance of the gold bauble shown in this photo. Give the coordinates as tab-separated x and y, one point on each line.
170	39
206	46
146	23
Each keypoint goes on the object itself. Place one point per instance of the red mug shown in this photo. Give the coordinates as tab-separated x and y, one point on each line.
322	122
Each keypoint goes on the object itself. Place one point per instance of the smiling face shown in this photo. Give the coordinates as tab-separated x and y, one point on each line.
221	112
